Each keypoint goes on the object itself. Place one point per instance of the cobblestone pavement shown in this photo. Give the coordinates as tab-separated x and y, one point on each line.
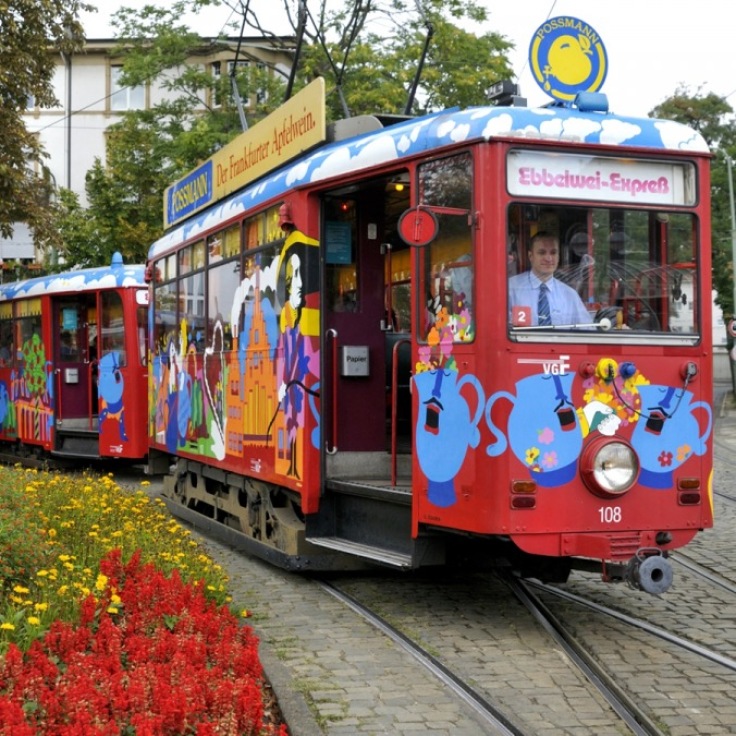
335	674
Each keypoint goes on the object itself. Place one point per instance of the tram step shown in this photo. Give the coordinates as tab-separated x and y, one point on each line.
378	489
77	443
366	551
373	522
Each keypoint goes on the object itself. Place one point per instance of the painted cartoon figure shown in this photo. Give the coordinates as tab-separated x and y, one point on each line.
110	387
297	364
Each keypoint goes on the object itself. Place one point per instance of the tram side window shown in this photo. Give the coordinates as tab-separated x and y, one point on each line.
113	326
448	262
141	324
191	309
164	326
6	341
222	283
29	339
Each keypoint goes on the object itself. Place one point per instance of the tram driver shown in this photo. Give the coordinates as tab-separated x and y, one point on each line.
536	297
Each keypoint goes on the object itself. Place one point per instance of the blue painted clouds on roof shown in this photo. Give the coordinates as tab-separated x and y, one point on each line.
433	132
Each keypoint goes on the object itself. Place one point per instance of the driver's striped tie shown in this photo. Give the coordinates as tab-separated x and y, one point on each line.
543	313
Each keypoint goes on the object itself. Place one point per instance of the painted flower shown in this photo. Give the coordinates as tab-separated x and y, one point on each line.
531	455
665	459
683	452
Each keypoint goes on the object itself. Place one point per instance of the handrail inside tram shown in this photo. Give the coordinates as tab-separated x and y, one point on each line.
331	448
394	405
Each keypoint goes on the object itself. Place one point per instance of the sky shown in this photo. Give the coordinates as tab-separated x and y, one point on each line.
652	47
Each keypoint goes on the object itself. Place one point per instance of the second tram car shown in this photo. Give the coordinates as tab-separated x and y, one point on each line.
73	364
350	360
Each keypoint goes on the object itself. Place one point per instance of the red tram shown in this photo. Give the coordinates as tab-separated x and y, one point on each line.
350	361
73	364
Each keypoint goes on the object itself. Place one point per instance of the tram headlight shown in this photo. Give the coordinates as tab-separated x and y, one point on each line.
609	468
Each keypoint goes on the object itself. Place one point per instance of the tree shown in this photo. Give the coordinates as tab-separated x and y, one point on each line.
149	149
369	51
712	116
28	27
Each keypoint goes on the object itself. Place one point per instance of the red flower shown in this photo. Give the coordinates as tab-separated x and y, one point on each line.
172	662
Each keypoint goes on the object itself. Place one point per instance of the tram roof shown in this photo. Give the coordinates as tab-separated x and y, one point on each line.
433	132
87	279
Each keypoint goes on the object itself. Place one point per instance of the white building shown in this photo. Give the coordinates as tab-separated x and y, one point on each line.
91	98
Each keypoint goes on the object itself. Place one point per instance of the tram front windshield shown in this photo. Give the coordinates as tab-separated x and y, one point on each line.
619	271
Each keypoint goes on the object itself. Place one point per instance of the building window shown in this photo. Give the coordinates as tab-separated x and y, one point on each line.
122	97
249	78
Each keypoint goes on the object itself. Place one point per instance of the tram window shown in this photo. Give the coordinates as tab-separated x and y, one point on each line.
222	283
273	224
254	231
449	276
191	258
113	326
447	182
141	324
198	255
636	267
6	337
185	260
231	241
400	285
168	268
164	317
448	262
339	244
191	309
70	348
214	248
29	342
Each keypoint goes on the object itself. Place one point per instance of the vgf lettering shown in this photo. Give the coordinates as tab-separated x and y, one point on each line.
557	367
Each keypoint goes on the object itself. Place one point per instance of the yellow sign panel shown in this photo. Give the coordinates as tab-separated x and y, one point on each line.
296	126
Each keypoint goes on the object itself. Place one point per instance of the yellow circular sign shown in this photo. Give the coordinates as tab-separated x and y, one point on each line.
567	56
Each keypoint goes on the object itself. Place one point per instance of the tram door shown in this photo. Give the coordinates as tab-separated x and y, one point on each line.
75	332
367	298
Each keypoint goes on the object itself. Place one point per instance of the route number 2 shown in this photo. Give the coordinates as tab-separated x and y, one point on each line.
610	514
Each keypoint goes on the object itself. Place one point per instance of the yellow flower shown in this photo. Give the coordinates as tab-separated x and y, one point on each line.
44	606
7	626
34	620
101	582
20	589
